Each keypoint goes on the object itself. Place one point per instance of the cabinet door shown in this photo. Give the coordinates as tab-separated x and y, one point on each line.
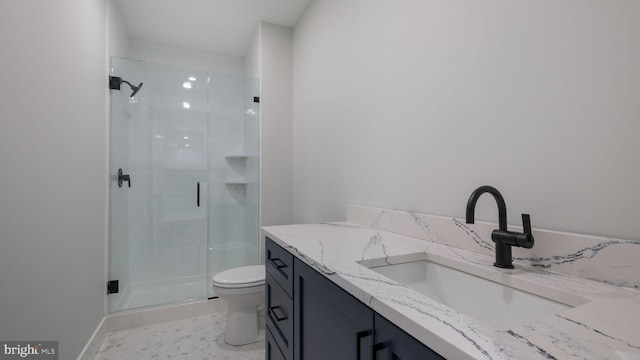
279	313
393	343
329	323
272	350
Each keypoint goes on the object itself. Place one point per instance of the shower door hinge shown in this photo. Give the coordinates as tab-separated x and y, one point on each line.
114	82
256	99
112	287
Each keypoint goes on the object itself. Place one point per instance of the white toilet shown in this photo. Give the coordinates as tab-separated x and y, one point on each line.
243	289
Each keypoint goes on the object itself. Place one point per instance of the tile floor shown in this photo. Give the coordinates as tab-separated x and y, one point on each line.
198	338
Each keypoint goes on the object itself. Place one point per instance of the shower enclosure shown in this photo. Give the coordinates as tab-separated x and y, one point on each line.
184	182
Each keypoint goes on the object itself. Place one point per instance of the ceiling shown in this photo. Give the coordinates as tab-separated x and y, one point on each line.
222	26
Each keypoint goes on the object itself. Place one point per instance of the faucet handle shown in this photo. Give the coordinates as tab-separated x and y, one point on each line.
526	223
525	239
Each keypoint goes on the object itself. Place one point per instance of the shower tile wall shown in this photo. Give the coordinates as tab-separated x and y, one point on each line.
169	138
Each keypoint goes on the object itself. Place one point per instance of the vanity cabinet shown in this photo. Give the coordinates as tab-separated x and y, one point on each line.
318	320
329	322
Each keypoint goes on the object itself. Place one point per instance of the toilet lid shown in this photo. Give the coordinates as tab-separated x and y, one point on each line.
244	276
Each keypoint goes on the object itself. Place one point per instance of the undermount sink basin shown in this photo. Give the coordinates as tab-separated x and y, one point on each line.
498	305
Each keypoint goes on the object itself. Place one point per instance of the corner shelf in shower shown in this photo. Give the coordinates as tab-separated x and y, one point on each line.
235	182
236	156
238	159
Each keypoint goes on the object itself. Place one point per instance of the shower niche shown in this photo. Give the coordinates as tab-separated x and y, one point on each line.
188	139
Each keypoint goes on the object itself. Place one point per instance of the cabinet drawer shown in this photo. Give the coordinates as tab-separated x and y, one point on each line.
273	351
393	343
279	309
279	264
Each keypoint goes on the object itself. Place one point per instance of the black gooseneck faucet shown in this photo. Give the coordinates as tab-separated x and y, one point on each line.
503	238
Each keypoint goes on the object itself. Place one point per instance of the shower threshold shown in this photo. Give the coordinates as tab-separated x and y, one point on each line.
163	292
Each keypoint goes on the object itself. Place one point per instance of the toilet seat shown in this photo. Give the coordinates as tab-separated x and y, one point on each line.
240	277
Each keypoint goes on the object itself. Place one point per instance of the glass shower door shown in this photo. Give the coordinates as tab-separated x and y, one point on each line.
159	225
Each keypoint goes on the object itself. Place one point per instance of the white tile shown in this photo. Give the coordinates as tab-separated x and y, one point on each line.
197	338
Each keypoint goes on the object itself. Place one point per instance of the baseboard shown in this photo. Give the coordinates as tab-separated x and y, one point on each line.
146	317
95	342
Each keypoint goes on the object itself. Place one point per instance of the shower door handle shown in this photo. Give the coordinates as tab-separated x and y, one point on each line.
198	194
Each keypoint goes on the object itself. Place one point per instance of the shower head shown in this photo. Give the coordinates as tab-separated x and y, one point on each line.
115	82
134	88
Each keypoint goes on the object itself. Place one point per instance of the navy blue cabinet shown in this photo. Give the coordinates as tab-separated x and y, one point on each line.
392	343
329	323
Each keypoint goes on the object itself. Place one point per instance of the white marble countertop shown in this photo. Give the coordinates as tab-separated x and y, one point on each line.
606	323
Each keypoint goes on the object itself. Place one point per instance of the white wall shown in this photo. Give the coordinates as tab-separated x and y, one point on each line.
276	147
121	45
117	33
192	59
252	56
412	104
54	178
